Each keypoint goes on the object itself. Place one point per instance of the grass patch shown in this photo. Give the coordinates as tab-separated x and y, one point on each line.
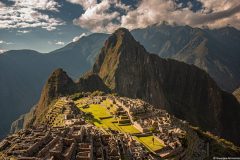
100	111
147	141
128	129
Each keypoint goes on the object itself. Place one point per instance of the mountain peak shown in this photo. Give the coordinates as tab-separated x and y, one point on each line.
122	31
119	48
58	84
58	72
120	37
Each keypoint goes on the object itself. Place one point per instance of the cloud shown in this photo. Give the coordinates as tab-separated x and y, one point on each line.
208	18
24	31
99	17
4	42
27	14
108	15
79	37
60	43
84	3
148	13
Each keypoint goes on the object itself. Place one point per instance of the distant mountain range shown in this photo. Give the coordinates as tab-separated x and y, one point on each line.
215	51
23	72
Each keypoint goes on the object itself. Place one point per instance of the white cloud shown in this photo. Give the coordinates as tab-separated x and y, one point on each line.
4	42
26	14
99	17
155	11
84	3
24	31
79	37
60	43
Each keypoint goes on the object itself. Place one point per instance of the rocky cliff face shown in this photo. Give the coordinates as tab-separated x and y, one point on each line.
183	90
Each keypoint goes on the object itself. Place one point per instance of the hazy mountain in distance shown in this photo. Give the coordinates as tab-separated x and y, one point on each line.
23	73
216	51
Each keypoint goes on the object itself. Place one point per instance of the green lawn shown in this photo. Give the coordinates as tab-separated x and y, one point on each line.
129	129
147	141
99	111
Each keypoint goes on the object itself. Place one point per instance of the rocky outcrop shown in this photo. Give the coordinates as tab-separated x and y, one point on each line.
236	93
184	90
58	84
90	82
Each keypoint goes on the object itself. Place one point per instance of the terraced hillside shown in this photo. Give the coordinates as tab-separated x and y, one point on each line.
99	126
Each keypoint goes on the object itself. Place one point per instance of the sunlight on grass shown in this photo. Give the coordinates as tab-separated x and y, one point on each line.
129	129
147	141
100	111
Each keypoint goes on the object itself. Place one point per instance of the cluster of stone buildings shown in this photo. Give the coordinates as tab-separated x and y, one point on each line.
63	112
76	142
148	119
79	140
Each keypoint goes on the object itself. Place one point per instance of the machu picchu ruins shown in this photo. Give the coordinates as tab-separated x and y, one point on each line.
104	128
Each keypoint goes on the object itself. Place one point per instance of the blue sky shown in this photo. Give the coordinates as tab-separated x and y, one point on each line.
45	25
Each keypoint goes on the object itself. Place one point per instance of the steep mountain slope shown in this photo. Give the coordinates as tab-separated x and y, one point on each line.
236	93
23	73
215	51
60	84
183	90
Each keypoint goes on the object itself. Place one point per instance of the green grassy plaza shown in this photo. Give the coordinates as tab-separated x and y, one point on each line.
147	141
102	118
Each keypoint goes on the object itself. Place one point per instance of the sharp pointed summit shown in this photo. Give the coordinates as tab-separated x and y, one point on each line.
119	49
58	84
